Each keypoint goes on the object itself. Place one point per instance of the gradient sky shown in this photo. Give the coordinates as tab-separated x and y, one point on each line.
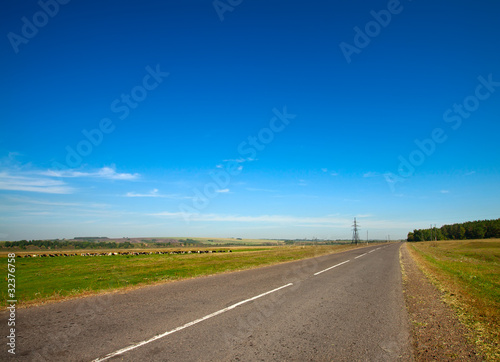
118	117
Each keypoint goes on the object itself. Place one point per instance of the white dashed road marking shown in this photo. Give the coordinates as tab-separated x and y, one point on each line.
134	346
331	267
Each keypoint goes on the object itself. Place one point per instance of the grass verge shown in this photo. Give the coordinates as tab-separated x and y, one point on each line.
41	280
467	272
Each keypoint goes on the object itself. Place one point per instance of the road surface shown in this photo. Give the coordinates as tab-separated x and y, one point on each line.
340	307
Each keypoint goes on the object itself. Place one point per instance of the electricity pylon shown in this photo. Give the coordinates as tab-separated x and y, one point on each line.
355	235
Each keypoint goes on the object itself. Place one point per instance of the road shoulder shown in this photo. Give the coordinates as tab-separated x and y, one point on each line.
436	331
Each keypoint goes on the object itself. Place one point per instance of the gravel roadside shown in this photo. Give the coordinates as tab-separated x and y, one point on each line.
436	331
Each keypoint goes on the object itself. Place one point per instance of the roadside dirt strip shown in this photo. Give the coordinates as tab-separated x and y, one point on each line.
437	333
340	307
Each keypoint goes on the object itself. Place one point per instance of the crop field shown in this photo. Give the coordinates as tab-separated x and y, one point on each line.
218	241
468	273
40	280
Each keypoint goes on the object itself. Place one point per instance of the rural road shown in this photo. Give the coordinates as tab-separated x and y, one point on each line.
340	307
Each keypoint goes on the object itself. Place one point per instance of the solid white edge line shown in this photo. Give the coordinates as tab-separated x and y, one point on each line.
330	267
359	256
136	345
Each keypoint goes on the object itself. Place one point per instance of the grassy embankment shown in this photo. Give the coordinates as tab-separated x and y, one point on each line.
468	274
40	280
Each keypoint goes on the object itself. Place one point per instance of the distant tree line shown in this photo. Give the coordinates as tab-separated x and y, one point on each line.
481	229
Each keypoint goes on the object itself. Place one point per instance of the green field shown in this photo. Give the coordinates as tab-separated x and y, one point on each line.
40	280
468	272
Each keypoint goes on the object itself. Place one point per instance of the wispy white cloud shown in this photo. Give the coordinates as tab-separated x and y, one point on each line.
17	177
33	184
332	173
296	196
238	160
170	214
445	191
110	173
255	189
223	191
340	222
156	193
152	193
13	155
71	212
371	174
26	200
470	173
21	206
104	172
364	215
40	213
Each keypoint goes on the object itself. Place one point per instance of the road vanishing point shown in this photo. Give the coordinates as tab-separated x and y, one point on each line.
339	307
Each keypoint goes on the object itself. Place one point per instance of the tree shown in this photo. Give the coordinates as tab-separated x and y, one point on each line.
479	229
477	232
457	232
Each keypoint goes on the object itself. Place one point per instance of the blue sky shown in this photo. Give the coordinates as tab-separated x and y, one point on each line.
262	119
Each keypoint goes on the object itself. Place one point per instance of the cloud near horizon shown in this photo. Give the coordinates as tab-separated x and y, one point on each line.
326	220
368	221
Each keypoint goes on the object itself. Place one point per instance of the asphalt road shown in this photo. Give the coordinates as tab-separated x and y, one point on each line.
339	307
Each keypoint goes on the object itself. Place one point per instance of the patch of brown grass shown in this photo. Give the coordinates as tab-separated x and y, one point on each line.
467	272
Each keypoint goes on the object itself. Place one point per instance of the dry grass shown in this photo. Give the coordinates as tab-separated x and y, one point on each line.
467	272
